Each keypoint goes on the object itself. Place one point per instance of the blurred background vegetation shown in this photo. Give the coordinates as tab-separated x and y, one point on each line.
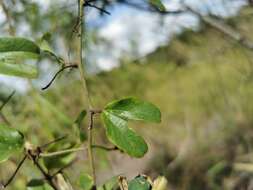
201	79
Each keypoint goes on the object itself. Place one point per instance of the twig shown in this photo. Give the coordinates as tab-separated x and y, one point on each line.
52	142
51	154
15	173
7	100
61	70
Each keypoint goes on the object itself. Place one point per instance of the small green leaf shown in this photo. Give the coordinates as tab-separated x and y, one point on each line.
134	109
139	183
111	184
157	4
86	182
123	137
78	125
45	47
13	53
37	184
11	142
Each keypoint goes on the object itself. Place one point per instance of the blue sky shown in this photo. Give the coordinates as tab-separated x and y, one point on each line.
126	26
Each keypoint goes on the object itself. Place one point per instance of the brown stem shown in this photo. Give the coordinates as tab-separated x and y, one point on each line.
47	176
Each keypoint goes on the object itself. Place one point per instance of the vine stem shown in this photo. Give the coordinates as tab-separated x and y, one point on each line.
80	32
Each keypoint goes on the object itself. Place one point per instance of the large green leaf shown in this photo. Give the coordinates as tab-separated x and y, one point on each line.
11	45
20	70
123	137
13	53
134	109
86	182
37	184
139	183
11	142
157	4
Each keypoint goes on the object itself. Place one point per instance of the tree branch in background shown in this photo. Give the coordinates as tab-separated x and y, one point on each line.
8	18
223	28
102	10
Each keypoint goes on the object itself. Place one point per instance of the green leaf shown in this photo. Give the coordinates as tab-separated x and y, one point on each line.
13	52
86	182
78	125
111	184
123	137
20	70
139	183
157	4
11	142
11	45
37	184
134	109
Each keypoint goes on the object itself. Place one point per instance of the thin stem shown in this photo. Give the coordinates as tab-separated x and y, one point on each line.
53	141
80	32
51	154
80	50
16	171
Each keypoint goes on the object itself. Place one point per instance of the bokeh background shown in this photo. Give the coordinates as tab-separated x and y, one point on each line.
195	63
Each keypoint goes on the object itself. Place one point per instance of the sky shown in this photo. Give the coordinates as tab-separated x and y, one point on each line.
126	26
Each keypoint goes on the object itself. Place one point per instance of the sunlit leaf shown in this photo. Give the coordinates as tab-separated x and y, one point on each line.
37	184
122	136
11	142
134	109
86	182
160	183
139	183
13	53
157	4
